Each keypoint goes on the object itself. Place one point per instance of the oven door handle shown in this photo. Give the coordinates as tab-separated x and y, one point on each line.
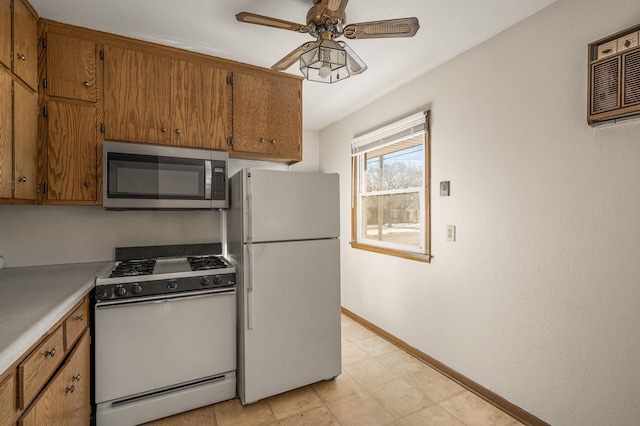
164	298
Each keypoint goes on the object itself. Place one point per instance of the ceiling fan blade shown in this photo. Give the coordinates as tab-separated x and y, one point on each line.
403	27
336	8
252	18
355	64
291	58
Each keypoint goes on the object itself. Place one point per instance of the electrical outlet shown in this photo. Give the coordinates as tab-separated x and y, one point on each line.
451	233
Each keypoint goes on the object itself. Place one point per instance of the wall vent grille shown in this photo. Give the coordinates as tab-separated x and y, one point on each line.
632	79
606	86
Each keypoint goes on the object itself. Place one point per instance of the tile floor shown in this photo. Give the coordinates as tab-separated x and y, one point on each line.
380	385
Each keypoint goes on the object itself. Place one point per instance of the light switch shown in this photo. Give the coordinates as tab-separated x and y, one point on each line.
451	233
444	188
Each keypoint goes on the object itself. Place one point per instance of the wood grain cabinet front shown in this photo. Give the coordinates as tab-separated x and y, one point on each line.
7	399
66	398
71	67
72	151
75	324
5	33
25	43
18	140
38	367
164	101
267	117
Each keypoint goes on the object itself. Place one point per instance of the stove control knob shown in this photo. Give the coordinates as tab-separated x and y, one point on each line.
102	293
136	289
217	280
172	285
121	291
204	281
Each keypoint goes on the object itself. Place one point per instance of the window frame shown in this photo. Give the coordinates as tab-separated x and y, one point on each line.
356	171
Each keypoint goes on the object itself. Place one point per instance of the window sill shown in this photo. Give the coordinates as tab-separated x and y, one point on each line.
403	254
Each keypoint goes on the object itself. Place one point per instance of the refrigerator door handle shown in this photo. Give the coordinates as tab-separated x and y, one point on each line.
249	209
249	288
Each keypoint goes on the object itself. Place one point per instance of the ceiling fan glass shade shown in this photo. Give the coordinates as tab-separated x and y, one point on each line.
325	62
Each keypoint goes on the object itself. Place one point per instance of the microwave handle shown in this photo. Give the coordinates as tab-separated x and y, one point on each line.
208	178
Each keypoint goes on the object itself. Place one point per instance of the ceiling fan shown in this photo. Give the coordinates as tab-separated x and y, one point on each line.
325	59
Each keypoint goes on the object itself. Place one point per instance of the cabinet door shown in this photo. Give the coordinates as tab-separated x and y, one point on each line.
7	399
25	44
71	67
65	399
267	117
72	150
5	33
250	115
25	143
285	118
6	136
200	106
137	91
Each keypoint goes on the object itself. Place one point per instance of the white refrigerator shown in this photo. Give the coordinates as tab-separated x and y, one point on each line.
282	235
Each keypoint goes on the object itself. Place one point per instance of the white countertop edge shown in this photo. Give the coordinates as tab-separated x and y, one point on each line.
22	344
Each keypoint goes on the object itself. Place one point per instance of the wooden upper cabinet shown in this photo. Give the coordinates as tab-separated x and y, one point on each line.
6	136
72	152
25	44
200	107
137	90
267	117
25	142
71	67
5	33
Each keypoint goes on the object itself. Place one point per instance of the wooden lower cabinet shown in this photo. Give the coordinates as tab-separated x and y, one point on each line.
7	399
66	399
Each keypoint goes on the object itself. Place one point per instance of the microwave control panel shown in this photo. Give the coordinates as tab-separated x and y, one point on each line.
218	180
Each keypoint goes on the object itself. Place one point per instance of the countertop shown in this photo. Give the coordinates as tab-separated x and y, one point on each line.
33	299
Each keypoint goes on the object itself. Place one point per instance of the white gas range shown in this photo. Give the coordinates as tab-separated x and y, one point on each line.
165	333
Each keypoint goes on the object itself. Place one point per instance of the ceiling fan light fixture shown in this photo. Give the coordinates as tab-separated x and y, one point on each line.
325	62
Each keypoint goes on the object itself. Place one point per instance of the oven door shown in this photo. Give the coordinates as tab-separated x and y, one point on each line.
151	343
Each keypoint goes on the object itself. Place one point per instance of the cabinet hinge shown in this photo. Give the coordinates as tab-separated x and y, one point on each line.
45	112
11	6
45	83
45	188
13	184
102	128
102	54
298	94
229	79
44	42
230	141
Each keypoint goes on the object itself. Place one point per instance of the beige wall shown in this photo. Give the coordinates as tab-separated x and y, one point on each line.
538	299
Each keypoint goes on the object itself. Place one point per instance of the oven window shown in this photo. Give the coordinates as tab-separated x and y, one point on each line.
147	176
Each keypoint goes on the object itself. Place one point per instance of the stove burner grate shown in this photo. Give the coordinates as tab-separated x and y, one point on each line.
132	268
202	263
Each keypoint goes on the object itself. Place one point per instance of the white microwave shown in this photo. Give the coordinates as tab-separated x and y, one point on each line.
140	176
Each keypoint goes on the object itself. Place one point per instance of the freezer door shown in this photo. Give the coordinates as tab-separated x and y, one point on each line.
285	206
289	317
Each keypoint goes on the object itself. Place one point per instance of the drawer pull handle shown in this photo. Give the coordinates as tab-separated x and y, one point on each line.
86	83
70	389
273	141
80	317
50	353
76	378
263	140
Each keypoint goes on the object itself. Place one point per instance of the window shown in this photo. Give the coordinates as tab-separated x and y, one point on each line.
390	207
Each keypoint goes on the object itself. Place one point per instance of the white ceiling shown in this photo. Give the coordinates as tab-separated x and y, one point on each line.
447	28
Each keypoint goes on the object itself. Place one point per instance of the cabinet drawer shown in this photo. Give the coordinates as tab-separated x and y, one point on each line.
38	367
7	399
75	324
65	399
